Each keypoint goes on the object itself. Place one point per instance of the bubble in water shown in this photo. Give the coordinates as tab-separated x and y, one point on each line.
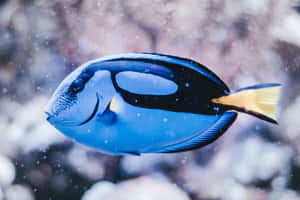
184	160
4	90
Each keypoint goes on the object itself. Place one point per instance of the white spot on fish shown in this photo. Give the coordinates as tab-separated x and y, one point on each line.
216	109
187	84
257	127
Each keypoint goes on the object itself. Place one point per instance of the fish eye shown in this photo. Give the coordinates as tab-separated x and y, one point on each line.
76	86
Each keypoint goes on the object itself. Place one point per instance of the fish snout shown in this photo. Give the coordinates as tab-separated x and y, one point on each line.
49	115
49	112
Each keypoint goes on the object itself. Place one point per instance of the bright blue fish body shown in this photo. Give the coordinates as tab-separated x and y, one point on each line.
142	103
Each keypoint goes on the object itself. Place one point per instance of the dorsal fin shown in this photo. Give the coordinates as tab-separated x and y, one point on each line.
205	137
154	58
193	65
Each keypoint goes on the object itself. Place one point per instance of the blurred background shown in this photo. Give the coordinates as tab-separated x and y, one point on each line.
244	41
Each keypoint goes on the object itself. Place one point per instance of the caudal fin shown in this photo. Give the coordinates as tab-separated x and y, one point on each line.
259	100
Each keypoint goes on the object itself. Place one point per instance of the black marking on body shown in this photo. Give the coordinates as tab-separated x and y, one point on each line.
93	113
195	88
193	94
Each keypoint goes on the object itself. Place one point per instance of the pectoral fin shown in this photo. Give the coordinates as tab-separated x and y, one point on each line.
113	104
109	117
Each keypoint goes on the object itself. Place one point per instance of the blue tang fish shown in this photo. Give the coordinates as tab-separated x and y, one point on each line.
137	103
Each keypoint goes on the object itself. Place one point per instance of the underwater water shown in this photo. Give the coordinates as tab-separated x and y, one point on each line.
244	42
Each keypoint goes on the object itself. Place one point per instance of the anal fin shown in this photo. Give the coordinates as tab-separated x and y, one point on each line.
131	153
204	137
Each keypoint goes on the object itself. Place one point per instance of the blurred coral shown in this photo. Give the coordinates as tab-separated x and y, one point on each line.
244	42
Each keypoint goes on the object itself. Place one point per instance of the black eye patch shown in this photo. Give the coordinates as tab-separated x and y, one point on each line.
78	84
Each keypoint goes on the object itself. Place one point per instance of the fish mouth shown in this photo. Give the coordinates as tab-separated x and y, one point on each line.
93	113
48	115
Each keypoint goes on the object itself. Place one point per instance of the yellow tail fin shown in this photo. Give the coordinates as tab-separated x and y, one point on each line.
259	100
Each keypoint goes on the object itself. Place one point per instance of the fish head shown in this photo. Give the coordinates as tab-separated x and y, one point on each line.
79	98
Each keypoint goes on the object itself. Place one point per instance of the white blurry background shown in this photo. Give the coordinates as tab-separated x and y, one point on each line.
245	42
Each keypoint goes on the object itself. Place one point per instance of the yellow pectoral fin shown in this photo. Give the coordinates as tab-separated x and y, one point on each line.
113	104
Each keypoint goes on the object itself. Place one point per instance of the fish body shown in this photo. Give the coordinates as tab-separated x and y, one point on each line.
146	103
